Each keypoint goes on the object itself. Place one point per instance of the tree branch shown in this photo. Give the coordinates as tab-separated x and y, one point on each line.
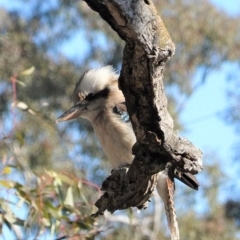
148	47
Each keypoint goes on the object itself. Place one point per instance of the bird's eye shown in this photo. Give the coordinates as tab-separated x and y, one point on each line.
90	97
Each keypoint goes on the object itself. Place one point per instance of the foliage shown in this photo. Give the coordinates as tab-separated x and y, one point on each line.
44	166
55	203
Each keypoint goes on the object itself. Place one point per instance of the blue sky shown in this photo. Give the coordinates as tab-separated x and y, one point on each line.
204	127
230	6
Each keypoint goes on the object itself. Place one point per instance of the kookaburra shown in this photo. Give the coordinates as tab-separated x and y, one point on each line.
97	98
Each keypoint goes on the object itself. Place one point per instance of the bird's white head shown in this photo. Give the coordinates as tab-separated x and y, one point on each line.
96	79
91	92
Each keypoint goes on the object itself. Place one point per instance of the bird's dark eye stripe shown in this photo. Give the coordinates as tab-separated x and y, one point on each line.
103	93
90	96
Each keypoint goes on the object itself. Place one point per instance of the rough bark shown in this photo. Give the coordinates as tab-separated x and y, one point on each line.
148	47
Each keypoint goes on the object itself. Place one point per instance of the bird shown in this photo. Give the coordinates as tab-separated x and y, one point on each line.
97	98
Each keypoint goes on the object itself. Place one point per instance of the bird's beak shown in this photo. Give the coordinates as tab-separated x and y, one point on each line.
73	112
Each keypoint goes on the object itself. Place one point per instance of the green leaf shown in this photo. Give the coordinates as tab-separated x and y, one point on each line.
20	202
9	216
7	184
46	222
66	179
69	198
83	197
20	137
52	210
9	225
21	83
85	223
22	105
19	222
7	170
53	229
28	71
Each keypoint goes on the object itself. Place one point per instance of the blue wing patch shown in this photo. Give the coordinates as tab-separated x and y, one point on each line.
125	117
121	109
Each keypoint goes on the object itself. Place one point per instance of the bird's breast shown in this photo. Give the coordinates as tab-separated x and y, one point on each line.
116	138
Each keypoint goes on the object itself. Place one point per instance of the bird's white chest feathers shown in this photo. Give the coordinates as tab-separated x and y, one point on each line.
116	138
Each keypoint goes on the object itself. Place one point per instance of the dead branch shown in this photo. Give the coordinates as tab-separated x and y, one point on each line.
148	47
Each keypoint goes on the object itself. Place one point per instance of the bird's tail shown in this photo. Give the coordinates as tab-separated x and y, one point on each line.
165	187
